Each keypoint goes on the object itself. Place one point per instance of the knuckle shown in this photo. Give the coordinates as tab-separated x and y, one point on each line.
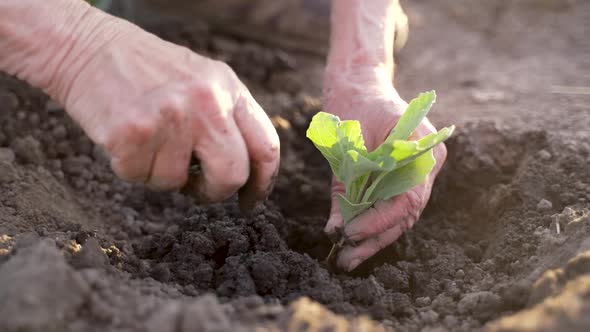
413	202
382	222
139	131
413	209
206	94
125	135
172	110
209	103
270	153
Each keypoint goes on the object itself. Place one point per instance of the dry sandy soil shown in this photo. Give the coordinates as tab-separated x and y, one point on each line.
504	244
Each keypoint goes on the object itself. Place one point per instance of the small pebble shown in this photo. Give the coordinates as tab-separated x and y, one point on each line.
451	321
21	115
60	132
460	274
544	205
7	155
34	119
481	304
423	301
544	155
79	183
429	316
59	175
452	289
28	149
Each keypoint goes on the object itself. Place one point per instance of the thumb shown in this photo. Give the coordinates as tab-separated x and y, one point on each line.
335	221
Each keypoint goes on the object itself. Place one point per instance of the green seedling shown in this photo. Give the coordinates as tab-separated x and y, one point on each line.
394	167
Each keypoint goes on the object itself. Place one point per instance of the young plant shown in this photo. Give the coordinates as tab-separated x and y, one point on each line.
394	167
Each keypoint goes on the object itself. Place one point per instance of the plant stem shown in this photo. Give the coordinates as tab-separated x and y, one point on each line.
332	253
355	198
373	186
336	246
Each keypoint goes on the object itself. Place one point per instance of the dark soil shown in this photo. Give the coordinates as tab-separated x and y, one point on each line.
82	251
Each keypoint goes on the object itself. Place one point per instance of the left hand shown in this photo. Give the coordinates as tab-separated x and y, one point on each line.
367	95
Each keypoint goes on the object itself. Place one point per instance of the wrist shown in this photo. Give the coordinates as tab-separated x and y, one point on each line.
368	81
47	43
362	35
366	90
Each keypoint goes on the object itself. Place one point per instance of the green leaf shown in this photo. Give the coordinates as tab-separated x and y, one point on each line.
406	151
403	178
408	122
355	165
355	189
350	210
335	138
417	109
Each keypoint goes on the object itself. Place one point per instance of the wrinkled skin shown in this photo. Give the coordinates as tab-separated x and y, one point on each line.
165	103
149	103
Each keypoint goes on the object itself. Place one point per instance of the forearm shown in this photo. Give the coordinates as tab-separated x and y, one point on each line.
362	35
46	43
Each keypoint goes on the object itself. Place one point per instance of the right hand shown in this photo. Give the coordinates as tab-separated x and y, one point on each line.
367	95
152	104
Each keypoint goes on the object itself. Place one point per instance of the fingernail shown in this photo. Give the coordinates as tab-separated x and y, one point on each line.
330	225
354	264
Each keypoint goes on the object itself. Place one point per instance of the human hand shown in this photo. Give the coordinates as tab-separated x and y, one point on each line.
152	104
367	95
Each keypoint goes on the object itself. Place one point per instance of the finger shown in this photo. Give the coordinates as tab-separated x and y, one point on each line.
335	221
402	210
133	149
219	146
351	257
263	146
171	162
133	165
